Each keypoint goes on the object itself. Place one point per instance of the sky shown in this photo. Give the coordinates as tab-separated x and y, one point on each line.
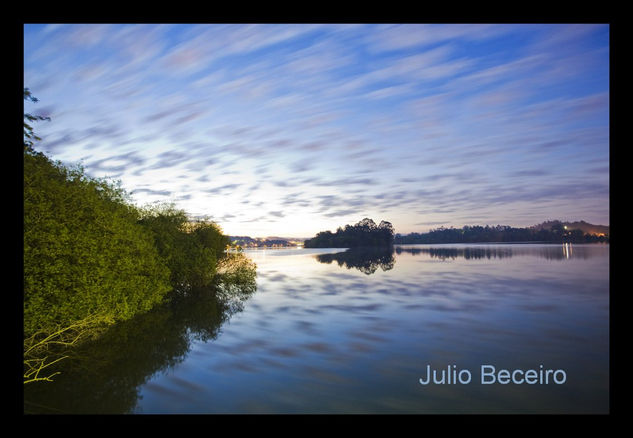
291	129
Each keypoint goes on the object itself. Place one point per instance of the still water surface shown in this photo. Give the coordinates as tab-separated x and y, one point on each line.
335	331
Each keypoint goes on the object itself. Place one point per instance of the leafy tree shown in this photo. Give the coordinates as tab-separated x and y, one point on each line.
29	135
209	235
190	250
84	251
92	258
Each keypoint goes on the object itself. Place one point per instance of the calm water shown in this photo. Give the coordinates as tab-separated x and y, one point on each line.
332	331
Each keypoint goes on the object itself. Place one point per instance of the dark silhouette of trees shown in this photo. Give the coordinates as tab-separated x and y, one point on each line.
500	233
363	233
29	135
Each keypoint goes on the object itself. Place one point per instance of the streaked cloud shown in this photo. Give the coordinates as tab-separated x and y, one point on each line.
294	128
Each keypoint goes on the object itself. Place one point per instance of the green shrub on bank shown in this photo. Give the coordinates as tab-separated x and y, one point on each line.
85	252
190	250
91	258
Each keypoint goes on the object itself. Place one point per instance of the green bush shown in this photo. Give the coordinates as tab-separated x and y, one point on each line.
85	252
91	258
209	235
190	250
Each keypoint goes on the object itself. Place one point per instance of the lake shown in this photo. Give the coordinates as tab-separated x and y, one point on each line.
356	331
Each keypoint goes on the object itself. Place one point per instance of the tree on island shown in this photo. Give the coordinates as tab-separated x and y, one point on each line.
363	233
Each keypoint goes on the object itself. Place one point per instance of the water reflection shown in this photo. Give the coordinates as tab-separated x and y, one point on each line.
550	252
316	338
453	253
366	260
103	377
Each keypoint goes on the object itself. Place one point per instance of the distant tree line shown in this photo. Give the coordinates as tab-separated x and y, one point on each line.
363	233
500	233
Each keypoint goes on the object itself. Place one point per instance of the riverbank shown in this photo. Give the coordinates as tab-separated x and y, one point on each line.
93	258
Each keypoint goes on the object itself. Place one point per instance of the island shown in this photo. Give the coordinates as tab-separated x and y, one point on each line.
361	234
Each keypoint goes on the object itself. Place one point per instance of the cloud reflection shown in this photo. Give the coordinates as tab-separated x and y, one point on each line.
368	260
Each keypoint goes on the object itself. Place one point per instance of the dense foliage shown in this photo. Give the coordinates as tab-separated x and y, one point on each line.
92	258
363	233
85	253
500	233
190	250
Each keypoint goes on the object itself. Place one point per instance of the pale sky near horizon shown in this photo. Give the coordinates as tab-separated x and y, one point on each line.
291	129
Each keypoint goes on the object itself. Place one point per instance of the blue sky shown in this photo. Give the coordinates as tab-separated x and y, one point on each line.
290	129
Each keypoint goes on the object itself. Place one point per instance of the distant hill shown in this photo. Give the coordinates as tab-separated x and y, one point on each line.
289	239
578	225
259	242
549	231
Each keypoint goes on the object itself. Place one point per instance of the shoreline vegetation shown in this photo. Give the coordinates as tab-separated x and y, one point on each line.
367	234
91	258
549	232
